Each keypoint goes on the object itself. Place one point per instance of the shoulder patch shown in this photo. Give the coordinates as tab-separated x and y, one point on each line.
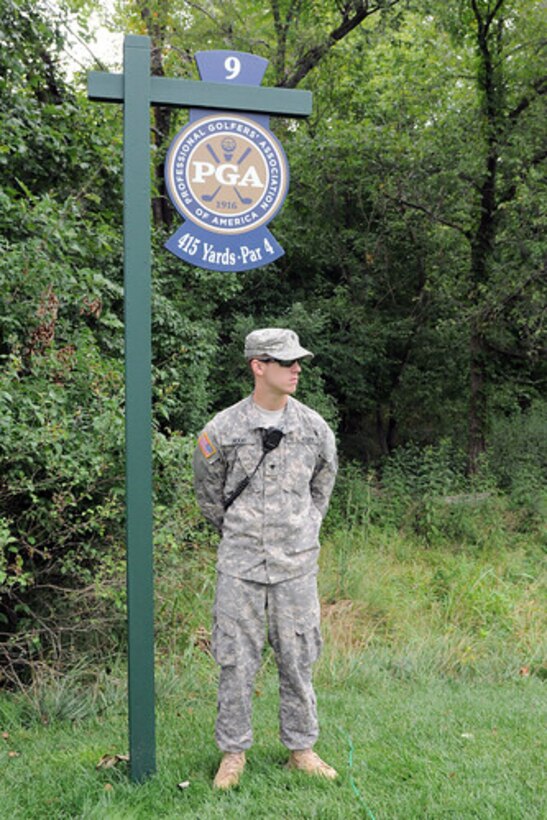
206	445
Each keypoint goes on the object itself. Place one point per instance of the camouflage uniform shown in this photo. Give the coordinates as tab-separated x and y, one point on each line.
267	561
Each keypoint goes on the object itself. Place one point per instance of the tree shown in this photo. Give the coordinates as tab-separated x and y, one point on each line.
425	159
409	248
503	115
60	382
294	35
499	150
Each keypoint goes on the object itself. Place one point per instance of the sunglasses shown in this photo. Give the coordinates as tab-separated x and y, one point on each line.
280	362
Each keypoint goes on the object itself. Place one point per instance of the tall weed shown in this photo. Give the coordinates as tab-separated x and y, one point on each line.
423	492
411	609
517	458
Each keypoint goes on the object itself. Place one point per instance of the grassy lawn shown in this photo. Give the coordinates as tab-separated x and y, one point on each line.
403	749
430	690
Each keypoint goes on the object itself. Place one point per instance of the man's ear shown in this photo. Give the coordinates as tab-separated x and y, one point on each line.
257	367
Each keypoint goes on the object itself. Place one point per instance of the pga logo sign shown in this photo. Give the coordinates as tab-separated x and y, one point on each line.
227	174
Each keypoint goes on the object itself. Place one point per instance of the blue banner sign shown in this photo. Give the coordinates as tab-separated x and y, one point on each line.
227	175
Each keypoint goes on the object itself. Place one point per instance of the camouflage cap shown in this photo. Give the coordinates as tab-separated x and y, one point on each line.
274	342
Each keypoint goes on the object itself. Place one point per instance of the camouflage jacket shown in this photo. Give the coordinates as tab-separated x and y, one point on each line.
271	531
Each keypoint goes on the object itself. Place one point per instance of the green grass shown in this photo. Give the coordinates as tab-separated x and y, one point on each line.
430	689
427	748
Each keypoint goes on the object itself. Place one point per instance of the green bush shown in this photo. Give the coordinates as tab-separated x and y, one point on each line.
61	430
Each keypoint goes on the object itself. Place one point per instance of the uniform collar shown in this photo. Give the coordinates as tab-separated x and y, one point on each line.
255	421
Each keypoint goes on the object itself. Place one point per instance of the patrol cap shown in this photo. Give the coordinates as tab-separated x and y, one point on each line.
276	343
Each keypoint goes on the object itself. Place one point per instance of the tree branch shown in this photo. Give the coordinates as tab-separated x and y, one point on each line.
511	354
486	21
477	13
540	88
511	191
535	46
281	30
313	55
204	11
493	13
434	217
493	311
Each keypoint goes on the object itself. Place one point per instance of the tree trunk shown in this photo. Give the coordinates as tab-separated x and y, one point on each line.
161	209
385	430
476	444
483	237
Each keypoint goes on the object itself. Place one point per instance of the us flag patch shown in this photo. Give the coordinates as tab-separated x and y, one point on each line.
206	445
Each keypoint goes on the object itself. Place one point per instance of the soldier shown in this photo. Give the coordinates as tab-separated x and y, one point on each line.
264	470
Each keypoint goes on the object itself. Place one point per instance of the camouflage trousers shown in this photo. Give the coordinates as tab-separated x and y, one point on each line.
243	612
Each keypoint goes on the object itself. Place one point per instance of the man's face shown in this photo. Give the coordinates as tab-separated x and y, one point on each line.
280	378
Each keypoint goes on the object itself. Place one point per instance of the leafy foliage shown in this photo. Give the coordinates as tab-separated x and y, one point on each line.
414	270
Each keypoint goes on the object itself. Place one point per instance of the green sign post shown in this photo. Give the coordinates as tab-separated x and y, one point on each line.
137	90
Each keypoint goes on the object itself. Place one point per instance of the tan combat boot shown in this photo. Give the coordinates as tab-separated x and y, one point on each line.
230	770
306	760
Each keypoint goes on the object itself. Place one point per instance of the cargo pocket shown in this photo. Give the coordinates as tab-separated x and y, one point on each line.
224	640
309	642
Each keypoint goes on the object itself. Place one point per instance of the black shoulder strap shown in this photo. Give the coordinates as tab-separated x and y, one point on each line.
270	440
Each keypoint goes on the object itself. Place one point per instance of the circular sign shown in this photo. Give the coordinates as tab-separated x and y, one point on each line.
226	173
